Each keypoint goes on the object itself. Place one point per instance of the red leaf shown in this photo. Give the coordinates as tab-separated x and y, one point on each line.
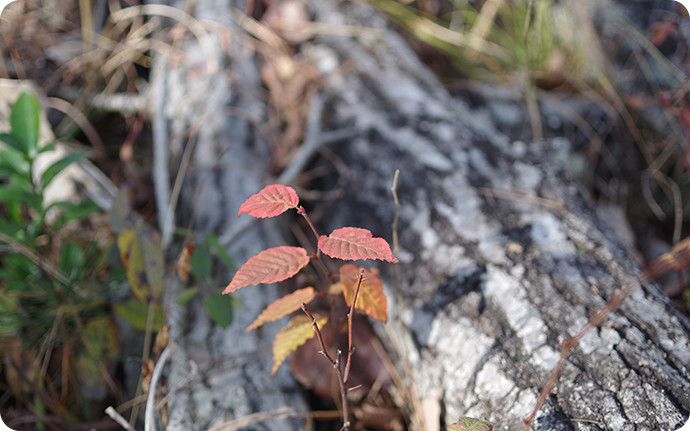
351	243
283	306
371	299
269	266
271	201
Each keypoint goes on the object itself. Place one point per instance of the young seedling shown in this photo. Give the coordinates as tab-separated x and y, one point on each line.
284	262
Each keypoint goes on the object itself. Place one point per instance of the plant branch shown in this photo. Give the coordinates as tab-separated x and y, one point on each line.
336	366
301	211
324	352
114	415
350	315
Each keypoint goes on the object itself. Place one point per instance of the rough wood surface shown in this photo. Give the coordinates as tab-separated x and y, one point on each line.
502	255
217	376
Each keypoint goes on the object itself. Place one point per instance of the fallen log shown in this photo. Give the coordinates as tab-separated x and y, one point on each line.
503	256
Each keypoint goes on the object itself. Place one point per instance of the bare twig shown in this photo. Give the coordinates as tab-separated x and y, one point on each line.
255	418
350	316
301	211
336	365
185	19
84	124
519	196
117	417
394	226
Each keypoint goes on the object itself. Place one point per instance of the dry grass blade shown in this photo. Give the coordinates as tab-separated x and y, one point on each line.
255	418
187	20
478	34
429	31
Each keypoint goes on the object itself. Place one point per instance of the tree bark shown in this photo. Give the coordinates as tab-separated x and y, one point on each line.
502	255
218	377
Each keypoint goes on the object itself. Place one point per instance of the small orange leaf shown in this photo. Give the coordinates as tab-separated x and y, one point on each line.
351	243
470	424
283	306
371	299
184	265
269	266
296	333
271	201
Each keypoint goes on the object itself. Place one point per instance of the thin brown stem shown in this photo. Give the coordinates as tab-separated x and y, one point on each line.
301	211
350	315
336	365
324	352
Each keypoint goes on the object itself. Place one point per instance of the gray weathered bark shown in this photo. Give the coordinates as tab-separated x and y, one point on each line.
218	375
502	255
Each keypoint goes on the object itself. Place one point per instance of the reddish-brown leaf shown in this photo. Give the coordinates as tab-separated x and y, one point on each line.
351	243
371	299
269	266
283	306
184	262
271	201
296	333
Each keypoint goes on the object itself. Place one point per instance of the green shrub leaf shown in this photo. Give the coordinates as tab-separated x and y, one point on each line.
47	148
187	295
142	257
12	193
136	313
13	161
69	211
12	141
25	122
58	167
220	307
10	320
215	245
202	262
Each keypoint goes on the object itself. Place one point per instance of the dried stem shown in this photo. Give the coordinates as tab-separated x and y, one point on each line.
350	349
336	366
301	211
